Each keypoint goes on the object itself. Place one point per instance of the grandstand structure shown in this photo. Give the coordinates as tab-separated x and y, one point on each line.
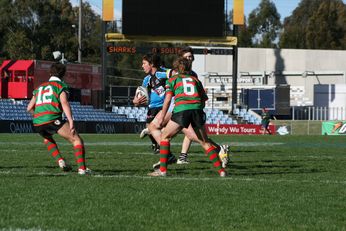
311	95
15	110
315	80
305	76
213	116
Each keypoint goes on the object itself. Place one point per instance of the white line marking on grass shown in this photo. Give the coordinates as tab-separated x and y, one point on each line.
230	178
253	144
128	153
31	229
226	178
144	143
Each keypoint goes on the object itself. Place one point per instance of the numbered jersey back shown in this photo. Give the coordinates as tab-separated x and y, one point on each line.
48	106
188	92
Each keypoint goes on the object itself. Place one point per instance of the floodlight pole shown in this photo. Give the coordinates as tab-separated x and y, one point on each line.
235	71
104	62
80	32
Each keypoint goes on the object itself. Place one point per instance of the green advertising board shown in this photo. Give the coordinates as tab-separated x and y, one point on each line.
334	128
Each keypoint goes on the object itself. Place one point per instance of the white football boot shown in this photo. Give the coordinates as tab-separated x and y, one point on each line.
64	166
144	133
157	173
86	171
224	155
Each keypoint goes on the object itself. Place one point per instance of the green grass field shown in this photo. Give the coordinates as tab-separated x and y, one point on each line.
274	183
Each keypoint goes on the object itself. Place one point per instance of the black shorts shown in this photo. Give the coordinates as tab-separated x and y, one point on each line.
152	112
194	117
265	124
47	130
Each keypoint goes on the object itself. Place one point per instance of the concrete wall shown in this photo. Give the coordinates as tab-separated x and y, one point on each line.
279	60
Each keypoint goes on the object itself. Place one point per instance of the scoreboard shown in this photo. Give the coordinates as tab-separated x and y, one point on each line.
204	18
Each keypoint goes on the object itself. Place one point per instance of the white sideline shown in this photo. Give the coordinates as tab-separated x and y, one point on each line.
31	229
139	143
230	178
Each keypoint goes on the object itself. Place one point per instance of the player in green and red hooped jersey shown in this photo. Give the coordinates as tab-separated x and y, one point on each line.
265	121
187	53
189	103
48	103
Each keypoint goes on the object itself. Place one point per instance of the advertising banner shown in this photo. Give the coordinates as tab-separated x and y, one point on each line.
334	128
11	126
238	129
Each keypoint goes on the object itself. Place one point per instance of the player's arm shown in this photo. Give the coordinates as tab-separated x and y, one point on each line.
142	100
67	110
137	101
31	105
161	116
166	103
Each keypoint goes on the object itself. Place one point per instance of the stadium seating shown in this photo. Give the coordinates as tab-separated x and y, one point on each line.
16	110
213	116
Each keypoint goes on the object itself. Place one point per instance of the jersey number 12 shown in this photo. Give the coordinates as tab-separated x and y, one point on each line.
44	94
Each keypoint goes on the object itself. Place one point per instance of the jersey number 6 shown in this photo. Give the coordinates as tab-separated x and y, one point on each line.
189	87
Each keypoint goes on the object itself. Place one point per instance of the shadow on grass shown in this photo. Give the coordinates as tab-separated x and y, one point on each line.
49	175
113	172
302	171
258	169
257	151
283	161
11	167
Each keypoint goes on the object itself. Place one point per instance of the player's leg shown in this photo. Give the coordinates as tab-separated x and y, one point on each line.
183	158
144	133
167	118
190	135
152	124
170	130
211	151
78	146
152	112
155	128
263	130
156	131
267	129
53	150
47	131
154	145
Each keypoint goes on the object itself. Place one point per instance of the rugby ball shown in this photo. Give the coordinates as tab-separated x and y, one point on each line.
142	91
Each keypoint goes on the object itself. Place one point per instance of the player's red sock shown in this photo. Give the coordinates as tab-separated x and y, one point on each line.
53	150
164	151
213	156
79	154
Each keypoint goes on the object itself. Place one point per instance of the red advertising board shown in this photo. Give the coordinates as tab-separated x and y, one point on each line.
85	77
18	78
236	129
80	76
